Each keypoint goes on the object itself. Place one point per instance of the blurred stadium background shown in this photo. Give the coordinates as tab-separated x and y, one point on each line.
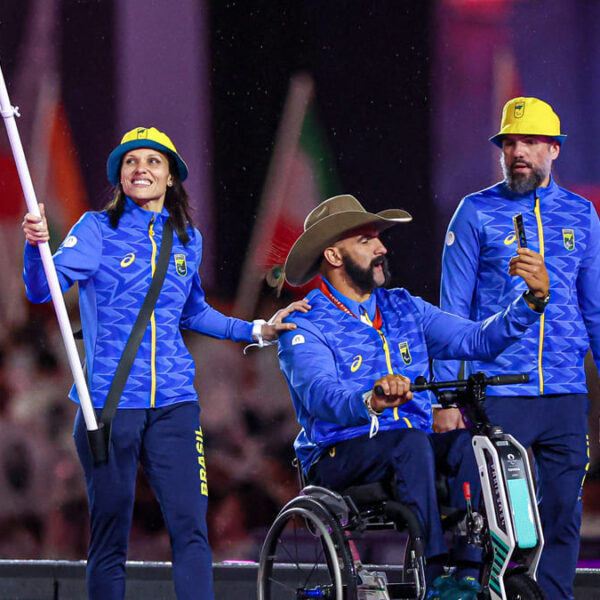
275	106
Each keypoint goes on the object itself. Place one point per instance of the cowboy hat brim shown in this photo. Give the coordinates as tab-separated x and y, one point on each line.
302	263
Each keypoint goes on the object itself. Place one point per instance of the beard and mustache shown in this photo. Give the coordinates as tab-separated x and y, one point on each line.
364	278
522	183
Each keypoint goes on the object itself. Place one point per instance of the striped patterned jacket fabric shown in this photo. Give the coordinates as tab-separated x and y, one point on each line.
480	241
333	358
113	268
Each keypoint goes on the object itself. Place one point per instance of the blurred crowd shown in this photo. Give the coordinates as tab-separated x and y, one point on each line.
247	419
248	422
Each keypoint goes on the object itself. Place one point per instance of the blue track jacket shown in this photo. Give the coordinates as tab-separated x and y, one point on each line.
333	358
114	268
480	241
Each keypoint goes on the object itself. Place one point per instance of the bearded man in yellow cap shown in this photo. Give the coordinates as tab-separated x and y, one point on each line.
549	414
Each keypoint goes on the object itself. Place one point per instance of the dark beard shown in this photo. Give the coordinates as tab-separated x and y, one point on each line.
364	279
521	183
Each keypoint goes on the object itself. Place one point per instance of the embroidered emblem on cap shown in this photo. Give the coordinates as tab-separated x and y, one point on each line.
519	109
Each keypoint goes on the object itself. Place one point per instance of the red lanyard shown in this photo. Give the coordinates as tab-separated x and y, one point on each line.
377	322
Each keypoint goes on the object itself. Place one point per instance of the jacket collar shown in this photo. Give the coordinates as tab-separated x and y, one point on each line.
138	214
356	308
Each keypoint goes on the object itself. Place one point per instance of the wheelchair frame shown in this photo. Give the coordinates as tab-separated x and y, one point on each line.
334	521
509	531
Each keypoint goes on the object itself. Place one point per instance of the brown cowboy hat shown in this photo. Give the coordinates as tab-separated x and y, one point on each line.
325	225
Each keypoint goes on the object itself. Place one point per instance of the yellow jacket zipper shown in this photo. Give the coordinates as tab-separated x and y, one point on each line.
152	324
388	361
538	217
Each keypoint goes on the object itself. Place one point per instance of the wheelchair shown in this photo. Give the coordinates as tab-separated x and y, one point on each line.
309	551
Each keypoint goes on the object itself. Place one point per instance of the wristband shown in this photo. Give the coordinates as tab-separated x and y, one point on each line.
539	303
373	414
257	325
367	400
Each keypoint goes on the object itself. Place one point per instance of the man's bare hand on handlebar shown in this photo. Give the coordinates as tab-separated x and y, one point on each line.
396	391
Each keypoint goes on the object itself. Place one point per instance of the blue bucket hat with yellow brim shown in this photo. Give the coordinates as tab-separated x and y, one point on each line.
143	137
528	116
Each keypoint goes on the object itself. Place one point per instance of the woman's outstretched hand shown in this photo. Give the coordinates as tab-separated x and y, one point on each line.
275	325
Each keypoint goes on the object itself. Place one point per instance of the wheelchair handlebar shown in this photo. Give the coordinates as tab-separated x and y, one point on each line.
420	385
508	379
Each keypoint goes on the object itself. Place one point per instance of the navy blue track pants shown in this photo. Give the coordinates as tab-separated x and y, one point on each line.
555	428
169	444
412	457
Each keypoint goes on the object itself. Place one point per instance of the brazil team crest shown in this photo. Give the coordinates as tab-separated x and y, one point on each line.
180	265
568	239
405	353
519	110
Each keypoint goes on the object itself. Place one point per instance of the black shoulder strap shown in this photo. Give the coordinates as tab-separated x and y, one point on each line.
139	328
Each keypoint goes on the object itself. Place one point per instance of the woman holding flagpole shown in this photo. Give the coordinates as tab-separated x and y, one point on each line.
113	255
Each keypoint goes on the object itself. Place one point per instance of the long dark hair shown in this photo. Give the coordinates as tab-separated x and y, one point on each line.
177	203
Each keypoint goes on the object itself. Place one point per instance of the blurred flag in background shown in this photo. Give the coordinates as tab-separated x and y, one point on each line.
49	149
55	165
301	175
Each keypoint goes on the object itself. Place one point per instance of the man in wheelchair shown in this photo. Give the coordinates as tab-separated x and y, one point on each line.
360	337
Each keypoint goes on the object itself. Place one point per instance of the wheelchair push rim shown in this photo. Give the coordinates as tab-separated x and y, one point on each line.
306	555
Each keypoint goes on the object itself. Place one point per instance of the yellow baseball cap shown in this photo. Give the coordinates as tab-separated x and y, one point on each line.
528	116
143	137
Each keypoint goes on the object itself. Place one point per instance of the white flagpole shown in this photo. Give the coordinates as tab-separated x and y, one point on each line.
8	113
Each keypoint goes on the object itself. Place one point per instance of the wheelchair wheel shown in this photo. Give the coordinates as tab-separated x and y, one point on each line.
306	555
519	586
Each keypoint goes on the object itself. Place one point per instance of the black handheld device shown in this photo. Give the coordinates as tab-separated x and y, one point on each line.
520	230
